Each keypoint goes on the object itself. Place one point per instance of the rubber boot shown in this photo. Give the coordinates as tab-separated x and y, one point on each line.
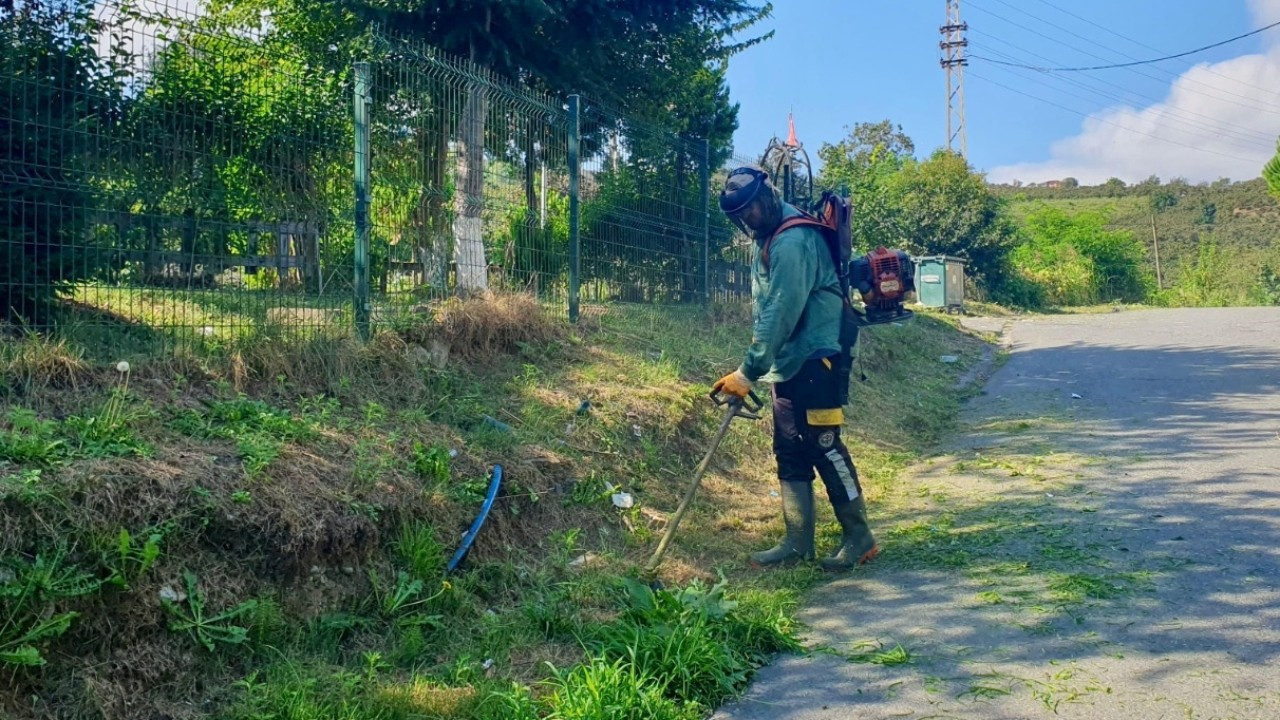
798	517
857	545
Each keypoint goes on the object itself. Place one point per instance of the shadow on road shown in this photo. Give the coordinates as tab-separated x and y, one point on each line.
1119	548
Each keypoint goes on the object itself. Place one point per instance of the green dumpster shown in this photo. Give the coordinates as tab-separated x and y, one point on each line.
940	282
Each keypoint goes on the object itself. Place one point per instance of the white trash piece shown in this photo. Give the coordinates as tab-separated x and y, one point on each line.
623	500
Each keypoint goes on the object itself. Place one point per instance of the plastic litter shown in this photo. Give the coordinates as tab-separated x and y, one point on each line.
496	423
623	500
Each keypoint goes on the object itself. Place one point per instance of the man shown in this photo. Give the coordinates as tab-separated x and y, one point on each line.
795	346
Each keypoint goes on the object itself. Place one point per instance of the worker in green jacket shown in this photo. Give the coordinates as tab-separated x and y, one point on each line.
795	347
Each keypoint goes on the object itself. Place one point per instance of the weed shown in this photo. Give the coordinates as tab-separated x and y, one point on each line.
256	453
29	593
591	490
402	602
266	622
99	437
30	440
242	497
28	488
374	459
469	492
208	630
19	649
127	561
694	639
430	463
612	690
419	550
109	432
374	413
234	418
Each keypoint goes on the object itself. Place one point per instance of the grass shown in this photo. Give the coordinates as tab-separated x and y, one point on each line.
274	516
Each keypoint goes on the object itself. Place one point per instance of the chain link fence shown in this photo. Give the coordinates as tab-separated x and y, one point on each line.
178	177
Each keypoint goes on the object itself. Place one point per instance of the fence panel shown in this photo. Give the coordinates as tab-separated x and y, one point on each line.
177	182
170	177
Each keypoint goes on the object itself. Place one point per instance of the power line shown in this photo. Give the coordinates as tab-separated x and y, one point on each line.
1263	107
1108	122
1151	61
1205	122
1182	124
1137	42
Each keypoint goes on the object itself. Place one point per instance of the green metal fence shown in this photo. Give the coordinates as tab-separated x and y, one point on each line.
178	176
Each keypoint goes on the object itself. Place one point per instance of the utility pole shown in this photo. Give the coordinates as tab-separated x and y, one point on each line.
1155	242
953	45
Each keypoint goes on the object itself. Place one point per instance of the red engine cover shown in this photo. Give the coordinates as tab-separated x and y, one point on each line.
886	273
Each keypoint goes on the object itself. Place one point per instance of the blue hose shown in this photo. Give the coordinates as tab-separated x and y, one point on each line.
474	530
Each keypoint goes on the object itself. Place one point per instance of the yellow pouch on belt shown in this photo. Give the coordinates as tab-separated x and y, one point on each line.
834	416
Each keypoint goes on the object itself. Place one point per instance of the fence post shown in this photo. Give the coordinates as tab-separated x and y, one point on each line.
361	107
706	221
575	168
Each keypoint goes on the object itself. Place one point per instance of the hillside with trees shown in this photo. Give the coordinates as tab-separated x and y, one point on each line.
1063	243
1227	230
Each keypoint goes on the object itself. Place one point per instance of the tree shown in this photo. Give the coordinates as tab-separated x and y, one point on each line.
861	166
1152	182
1070	183
1272	173
244	119
1114	187
58	98
946	208
865	140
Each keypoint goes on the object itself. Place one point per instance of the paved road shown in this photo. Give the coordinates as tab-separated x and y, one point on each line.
1112	555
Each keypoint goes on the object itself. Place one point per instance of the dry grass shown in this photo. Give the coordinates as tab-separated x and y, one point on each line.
34	362
480	327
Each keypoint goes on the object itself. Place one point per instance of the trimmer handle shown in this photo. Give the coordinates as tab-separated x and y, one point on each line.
748	407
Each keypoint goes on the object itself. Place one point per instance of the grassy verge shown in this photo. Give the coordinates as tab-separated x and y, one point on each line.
262	532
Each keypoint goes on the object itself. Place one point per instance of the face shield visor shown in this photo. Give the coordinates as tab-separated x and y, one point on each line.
742	189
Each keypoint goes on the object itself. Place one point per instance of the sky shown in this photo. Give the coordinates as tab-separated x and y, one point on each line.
1216	114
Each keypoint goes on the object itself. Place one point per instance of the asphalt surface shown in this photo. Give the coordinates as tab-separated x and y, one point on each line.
1162	429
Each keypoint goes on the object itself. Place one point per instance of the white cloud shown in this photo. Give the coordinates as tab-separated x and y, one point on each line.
1215	122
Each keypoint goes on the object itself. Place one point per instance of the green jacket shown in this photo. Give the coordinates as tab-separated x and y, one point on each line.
796	304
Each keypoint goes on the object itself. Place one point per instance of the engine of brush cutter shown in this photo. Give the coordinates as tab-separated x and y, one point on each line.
883	278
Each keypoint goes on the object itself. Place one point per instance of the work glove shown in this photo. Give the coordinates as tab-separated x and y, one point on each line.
735	384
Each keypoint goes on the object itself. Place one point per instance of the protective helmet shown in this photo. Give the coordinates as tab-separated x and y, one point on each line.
744	186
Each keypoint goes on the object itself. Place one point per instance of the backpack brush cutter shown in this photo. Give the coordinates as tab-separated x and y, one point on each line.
883	278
